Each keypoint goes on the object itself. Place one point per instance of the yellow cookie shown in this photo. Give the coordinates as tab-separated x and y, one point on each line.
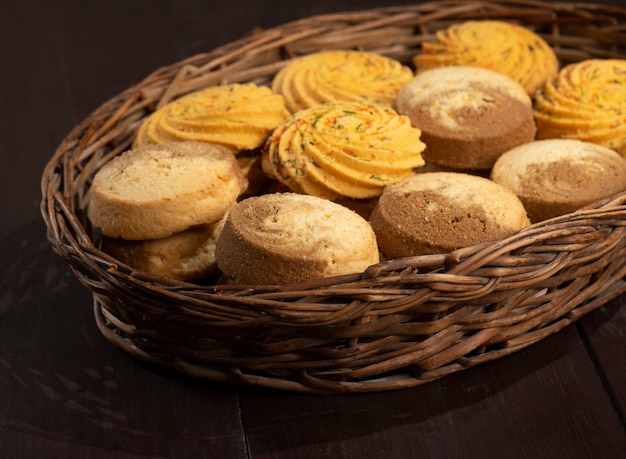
345	149
237	116
506	48
586	101
340	76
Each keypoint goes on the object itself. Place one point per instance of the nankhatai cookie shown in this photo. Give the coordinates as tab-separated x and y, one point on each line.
283	238
558	176
468	116
439	212
155	191
188	255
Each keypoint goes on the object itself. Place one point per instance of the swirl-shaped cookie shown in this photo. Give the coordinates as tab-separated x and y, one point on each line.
586	101
344	149
340	76
237	116
507	48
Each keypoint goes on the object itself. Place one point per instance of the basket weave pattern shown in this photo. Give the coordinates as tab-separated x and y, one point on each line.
403	322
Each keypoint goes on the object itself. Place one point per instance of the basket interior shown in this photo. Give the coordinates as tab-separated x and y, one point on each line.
401	323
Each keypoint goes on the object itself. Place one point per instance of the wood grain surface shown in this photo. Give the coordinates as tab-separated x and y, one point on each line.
66	392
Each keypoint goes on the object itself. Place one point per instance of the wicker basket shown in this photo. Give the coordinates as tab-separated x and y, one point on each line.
403	322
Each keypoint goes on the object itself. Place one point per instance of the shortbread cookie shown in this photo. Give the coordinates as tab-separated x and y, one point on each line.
155	191
468	116
439	212
284	238
188	255
558	176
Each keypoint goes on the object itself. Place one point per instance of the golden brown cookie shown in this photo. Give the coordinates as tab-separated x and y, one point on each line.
188	255
439	212
283	238
558	176
155	191
468	116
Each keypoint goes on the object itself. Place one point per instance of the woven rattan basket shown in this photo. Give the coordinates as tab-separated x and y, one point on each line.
403	322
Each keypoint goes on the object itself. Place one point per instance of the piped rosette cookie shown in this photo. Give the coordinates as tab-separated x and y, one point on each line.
507	48
340	76
586	101
343	150
239	117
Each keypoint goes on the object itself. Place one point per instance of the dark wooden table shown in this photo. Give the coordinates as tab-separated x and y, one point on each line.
65	392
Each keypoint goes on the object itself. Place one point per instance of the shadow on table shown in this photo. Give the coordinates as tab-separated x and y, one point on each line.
471	411
64	386
481	394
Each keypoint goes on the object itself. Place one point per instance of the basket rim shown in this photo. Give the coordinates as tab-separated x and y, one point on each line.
337	334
